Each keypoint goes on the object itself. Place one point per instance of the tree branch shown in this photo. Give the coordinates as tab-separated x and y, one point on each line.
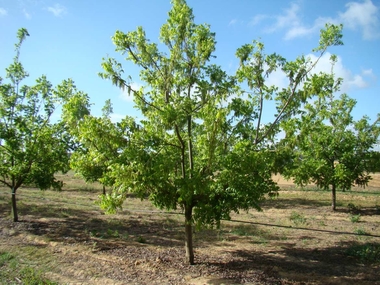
300	78
5	183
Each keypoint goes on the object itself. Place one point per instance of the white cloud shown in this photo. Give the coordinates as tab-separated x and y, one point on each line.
26	14
126	96
358	15
116	117
58	10
257	19
3	12
357	81
350	80
365	16
298	31
289	19
278	78
291	22
369	73
232	22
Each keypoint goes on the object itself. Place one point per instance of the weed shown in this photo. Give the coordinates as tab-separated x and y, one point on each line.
283	237
94	233
368	252
242	231
353	208
5	257
65	213
297	219
360	232
261	240
11	270
112	233
29	276
141	239
220	235
354	218
305	241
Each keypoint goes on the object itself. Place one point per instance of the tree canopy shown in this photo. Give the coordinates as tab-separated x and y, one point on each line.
32	147
329	147
202	145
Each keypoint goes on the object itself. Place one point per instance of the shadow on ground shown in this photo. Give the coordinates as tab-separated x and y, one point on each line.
284	263
299	266
59	224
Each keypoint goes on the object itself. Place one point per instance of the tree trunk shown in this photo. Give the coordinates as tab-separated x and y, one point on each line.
189	235
333	197
104	190
14	206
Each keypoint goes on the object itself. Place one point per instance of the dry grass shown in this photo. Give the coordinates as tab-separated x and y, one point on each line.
296	239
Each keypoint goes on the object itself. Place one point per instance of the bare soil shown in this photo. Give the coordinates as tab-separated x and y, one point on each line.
296	239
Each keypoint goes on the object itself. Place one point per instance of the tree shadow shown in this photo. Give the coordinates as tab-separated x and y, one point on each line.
329	265
363	211
302	228
281	203
67	225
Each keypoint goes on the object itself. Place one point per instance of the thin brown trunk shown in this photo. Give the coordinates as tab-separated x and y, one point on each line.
189	235
104	190
333	197
190	145
259	119
183	168
14	205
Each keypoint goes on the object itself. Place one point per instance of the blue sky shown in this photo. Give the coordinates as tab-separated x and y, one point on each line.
69	38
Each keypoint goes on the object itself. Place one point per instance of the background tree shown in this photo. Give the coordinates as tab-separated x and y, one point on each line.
202	145
32	148
100	141
331	149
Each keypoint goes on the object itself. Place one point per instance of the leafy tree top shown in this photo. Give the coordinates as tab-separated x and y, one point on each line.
32	148
201	143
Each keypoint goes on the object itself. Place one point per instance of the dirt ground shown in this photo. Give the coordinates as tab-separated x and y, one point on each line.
296	239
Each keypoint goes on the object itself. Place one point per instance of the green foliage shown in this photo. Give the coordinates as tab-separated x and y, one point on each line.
202	145
10	269
30	276
32	148
374	161
99	141
297	218
244	230
369	252
354	218
109	233
353	208
5	257
141	239
360	231
330	148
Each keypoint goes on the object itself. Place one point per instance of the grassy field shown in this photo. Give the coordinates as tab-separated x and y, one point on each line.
64	238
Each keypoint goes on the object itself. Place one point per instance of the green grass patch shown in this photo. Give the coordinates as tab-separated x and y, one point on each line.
360	231
141	239
354	218
369	252
5	258
12	272
243	230
297	218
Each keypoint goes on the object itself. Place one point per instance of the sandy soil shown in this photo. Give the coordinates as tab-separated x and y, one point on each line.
77	244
